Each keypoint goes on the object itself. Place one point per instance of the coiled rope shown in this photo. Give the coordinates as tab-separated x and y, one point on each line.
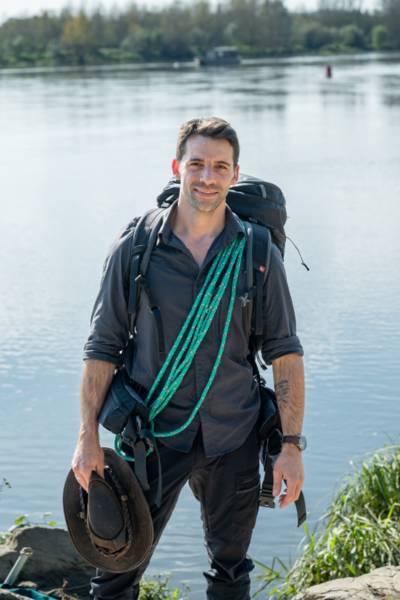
193	332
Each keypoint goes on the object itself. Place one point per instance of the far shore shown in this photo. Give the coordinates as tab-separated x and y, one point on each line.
188	63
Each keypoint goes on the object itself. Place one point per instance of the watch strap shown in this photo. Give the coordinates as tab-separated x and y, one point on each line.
291	439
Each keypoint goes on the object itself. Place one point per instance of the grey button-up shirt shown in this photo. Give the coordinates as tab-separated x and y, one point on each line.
231	406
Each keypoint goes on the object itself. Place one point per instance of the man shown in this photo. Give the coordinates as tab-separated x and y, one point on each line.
217	452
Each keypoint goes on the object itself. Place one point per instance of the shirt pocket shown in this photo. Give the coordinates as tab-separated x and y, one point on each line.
246	500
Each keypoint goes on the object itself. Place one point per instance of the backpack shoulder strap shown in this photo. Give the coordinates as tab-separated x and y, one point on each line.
143	242
258	258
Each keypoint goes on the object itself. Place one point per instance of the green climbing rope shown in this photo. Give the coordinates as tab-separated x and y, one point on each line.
193	333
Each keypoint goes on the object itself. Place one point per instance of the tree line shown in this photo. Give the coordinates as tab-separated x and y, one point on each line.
182	31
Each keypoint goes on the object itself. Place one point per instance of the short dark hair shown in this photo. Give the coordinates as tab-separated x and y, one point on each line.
211	127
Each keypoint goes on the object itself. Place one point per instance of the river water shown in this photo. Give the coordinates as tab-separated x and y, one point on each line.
82	151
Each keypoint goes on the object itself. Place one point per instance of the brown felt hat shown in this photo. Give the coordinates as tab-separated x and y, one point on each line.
111	526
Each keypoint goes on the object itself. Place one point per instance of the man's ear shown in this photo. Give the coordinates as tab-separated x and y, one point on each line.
175	169
236	176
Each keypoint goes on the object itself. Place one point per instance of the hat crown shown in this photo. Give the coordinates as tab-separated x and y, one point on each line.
104	509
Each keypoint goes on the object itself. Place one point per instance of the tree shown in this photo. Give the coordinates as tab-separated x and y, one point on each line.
352	36
231	33
391	15
275	23
136	39
379	36
312	35
78	35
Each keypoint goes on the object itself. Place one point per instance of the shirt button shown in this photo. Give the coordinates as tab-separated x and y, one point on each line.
202	407
200	367
198	283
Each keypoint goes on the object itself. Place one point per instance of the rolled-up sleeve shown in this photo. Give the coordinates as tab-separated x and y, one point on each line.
279	321
109	331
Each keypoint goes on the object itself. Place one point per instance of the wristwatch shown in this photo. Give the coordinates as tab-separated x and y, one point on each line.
298	440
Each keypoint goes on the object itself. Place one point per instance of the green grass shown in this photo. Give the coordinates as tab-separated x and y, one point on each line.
359	532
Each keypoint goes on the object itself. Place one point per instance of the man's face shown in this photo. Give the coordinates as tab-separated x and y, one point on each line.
206	172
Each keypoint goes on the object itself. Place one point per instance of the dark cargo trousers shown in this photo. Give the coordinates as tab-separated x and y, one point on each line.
227	487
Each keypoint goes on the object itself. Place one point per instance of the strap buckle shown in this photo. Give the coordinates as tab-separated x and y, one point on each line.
245	299
266	499
138	424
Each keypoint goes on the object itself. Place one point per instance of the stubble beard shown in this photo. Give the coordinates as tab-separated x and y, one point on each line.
199	205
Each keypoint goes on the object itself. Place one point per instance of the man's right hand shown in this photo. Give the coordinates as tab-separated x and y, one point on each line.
88	457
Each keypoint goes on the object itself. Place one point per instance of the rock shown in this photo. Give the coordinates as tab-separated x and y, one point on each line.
28	584
54	560
380	584
7	595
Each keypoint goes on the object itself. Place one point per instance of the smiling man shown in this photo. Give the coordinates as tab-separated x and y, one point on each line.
216	451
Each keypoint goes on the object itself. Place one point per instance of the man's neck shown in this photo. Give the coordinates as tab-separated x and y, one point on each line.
196	225
197	230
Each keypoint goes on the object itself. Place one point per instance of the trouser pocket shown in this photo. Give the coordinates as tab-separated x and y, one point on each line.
246	500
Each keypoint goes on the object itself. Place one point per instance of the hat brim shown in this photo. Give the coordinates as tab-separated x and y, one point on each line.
139	512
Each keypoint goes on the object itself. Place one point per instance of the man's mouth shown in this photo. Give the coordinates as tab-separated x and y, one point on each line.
206	193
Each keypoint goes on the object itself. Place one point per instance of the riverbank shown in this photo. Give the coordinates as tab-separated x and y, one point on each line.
110	57
359	533
57	570
355	549
116	57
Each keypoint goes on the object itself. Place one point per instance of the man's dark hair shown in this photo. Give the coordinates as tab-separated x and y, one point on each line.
211	127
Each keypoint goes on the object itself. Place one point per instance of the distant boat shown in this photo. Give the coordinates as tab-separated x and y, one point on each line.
222	55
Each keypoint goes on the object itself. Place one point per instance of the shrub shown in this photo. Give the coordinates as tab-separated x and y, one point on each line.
157	589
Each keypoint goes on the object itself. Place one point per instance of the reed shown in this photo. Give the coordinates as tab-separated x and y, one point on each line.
359	532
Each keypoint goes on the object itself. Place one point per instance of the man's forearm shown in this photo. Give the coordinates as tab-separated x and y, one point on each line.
289	390
88	456
96	379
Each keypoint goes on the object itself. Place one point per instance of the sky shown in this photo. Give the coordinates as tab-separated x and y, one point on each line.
15	8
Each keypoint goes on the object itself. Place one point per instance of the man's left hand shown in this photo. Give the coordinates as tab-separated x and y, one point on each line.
288	467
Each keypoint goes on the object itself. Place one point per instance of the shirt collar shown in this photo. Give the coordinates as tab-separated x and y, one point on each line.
232	228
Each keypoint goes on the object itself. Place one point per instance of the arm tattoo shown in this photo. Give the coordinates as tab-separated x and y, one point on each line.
282	391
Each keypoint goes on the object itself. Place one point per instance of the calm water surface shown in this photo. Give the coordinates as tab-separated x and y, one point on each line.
83	151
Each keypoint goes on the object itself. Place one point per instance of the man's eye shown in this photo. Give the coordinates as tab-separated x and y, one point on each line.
222	167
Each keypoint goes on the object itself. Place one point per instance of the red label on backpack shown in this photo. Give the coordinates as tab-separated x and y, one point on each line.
262	269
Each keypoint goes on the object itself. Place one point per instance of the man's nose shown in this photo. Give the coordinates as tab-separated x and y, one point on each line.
207	175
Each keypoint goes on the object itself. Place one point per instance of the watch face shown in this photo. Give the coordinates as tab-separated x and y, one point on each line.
302	442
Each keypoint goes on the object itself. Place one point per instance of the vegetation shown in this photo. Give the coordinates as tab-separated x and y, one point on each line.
360	531
23	521
4	483
157	589
182	31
